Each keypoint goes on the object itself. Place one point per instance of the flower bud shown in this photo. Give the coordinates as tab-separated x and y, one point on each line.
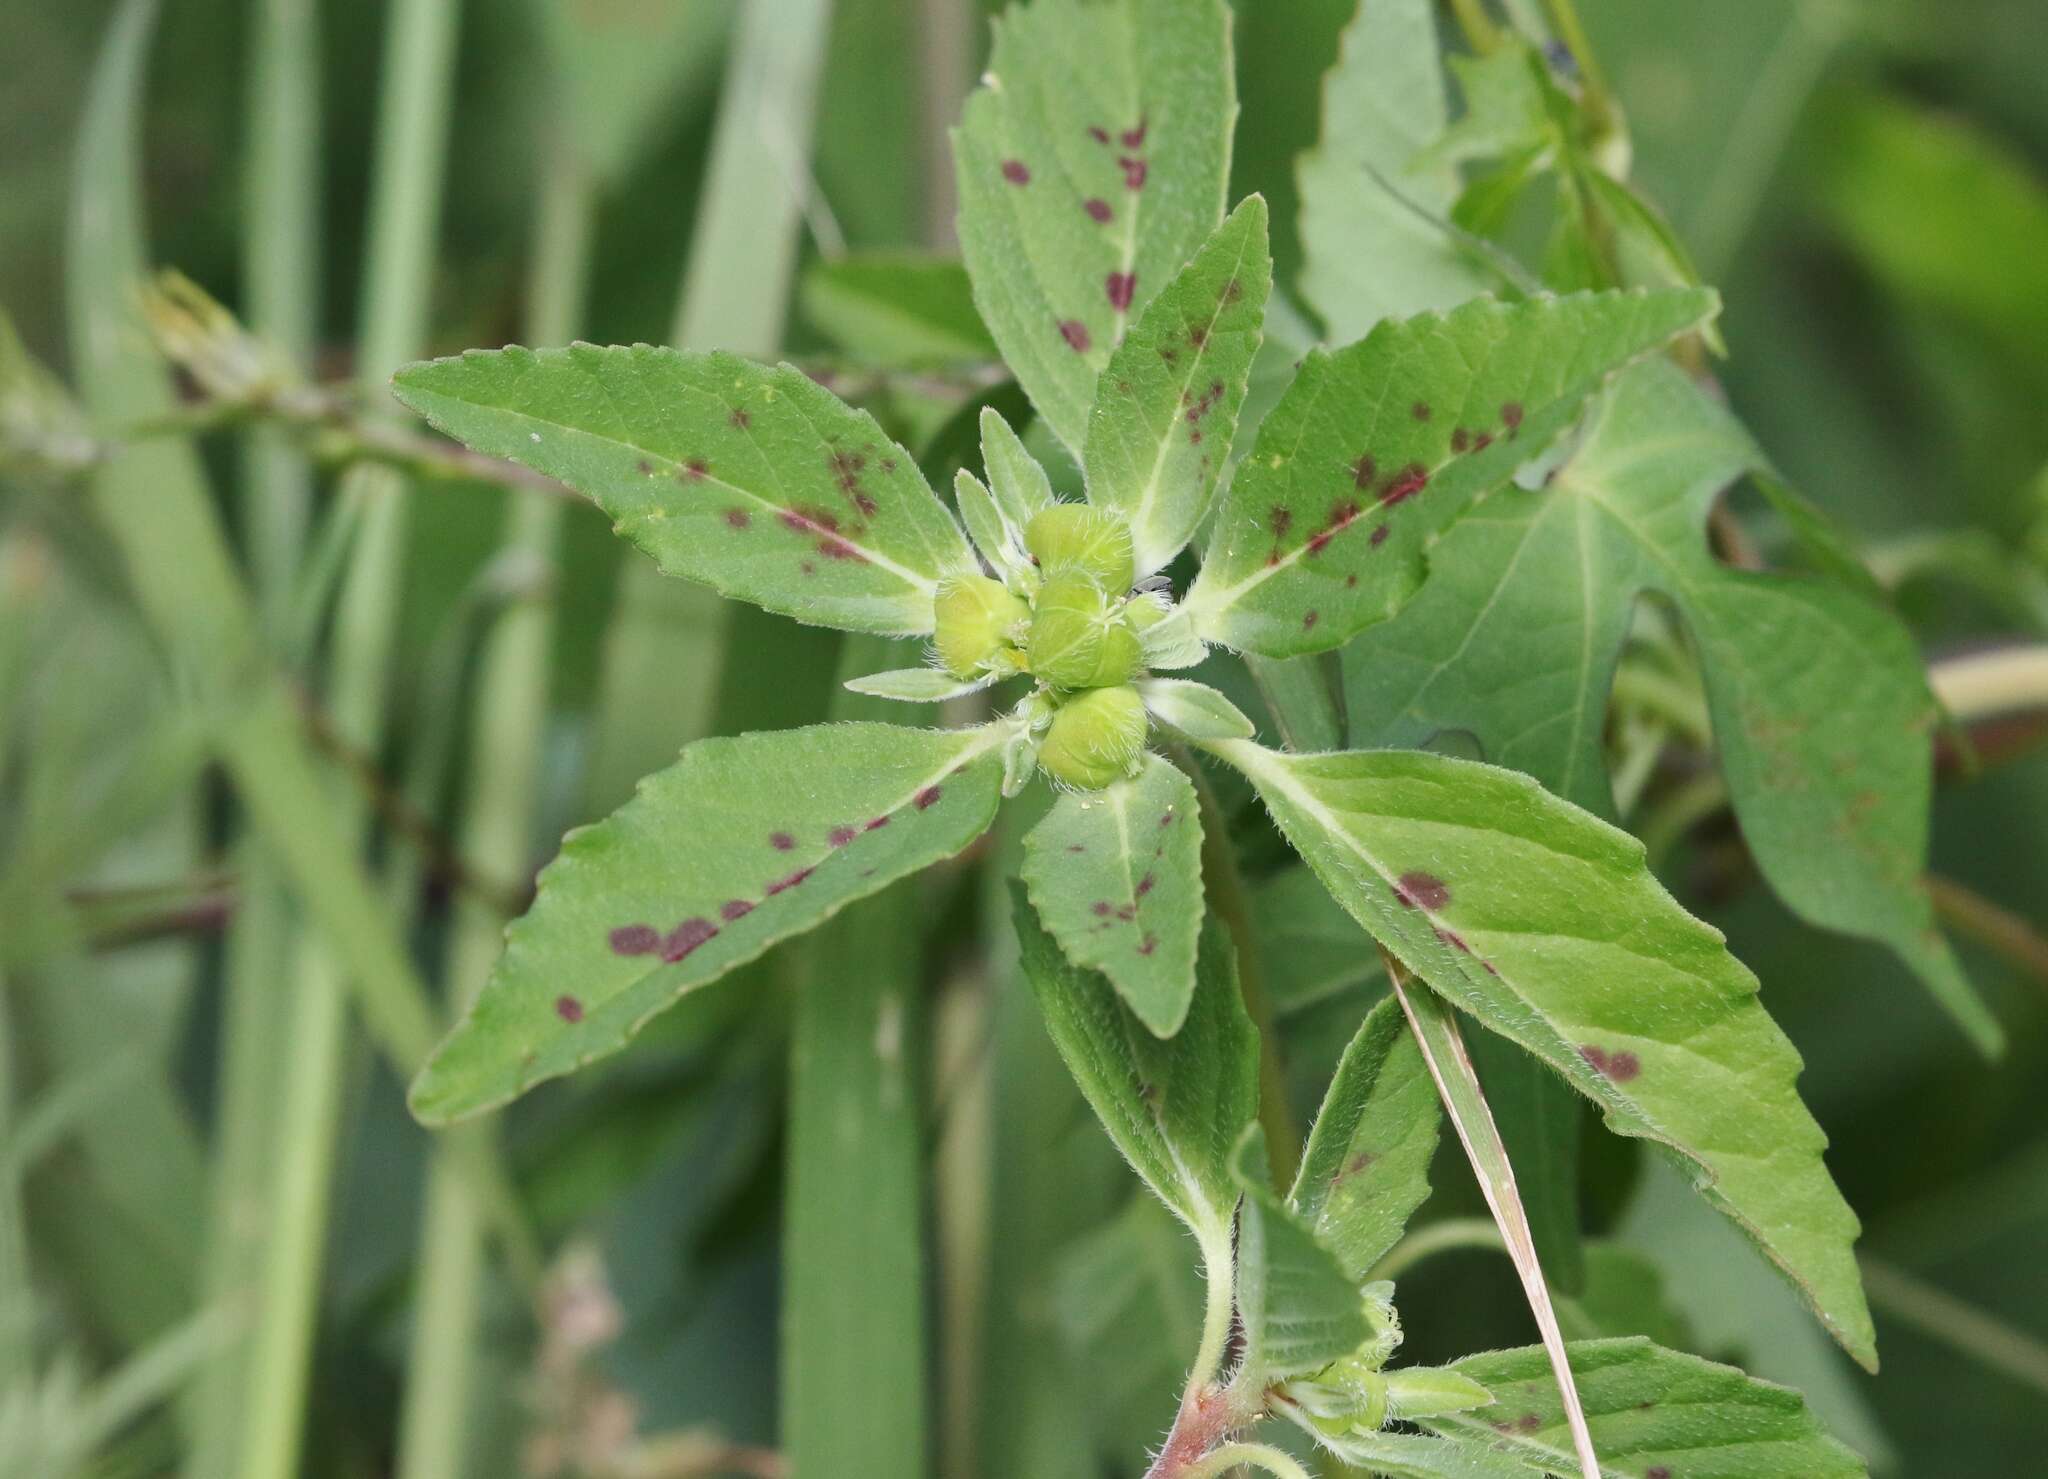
974	619
1078	637
1096	738
1072	537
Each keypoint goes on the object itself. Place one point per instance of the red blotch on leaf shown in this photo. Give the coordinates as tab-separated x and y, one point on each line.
1511	416
1076	334
840	836
738	518
1364	471
1120	286
1419	890
1015	171
733	909
1309	620
1380	533
875	824
635	939
1405	484
1461	440
1618	1067
1421	411
1098	133
569	1009
740	419
1134	138
1134	173
927	798
695	470
686	937
781	841
788	882
1148	945
1098	209
1146	885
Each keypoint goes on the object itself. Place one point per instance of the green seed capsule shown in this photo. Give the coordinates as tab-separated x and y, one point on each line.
1089	541
1096	738
974	619
1078	637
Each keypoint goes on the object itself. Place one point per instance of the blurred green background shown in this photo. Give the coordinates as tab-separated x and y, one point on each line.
1867	183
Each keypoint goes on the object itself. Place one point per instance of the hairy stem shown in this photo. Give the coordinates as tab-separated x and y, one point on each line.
1254	1455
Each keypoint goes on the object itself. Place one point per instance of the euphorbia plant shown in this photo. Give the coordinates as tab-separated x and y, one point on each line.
1092	170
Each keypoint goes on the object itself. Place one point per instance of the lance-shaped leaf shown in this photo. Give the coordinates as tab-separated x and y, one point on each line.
1166	408
741	843
1656	1414
1091	162
1116	876
1366	1166
755	480
1820	706
1545	923
1377	447
1015	480
1176	1106
1376	237
1299	1310
1195	709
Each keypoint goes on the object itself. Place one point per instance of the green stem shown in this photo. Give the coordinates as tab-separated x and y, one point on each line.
281	262
505	763
1959	1325
1481	34
1224	886
411	146
1972	915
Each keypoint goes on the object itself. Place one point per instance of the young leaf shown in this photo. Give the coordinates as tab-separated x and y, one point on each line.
1376	237
741	843
1656	1414
999	541
1432	1391
1018	484
1377	447
1116	876
1821	711
1544	922
1366	1166
916	685
1406	1456
1091	163
1166	408
1299	1310
1174	1107
1195	709
757	481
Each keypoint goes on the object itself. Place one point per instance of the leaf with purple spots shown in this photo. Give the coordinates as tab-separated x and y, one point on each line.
1545	923
1092	163
1819	701
1166	408
755	480
1654	1414
1175	1106
1366	1166
1116	876
1327	520
741	843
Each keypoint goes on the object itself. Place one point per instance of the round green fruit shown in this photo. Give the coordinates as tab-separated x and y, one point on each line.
974	617
1096	738
1074	538
1078	636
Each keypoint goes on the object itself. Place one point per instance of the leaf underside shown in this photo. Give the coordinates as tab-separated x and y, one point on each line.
1545	923
755	480
1378	446
1821	712
1116	876
741	843
1091	164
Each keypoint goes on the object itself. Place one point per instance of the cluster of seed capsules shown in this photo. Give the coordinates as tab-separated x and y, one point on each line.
1078	633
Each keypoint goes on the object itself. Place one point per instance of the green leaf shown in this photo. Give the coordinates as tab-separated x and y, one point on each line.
1375	230
999	542
1175	1106
1432	1391
1116	876
1820	707
1655	1414
1380	445
1195	709
1091	164
895	309
1366	1166
916	685
1406	1456
1544	922
1166	408
1018	483
1311	948
757	481
741	843
1299	1310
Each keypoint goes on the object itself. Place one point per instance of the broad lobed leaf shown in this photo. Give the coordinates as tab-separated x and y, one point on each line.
1655	1414
1366	1166
1116	876
1378	446
1544	922
741	843
1175	1107
755	480
1091	164
1166	408
1820	707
